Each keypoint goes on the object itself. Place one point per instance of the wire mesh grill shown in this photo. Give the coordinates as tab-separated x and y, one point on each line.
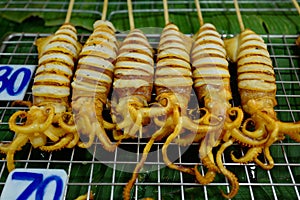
106	174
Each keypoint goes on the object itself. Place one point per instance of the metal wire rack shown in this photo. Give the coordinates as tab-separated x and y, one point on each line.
85	167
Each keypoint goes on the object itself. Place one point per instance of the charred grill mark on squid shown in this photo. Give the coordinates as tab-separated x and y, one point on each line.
92	82
48	117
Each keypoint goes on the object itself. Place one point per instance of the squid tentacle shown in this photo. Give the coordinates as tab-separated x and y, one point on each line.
251	154
239	116
35	126
198	131
209	163
270	161
66	125
130	183
246	141
231	176
178	120
205	179
17	144
259	132
104	139
58	145
290	129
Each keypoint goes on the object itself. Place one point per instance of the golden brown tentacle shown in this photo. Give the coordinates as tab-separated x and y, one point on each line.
179	122
198	131
165	130
251	154
290	129
138	124
238	114
279	128
130	183
108	126
38	120
238	136
104	139
208	177
259	131
209	163
58	145
66	122
74	141
270	161
231	176
211	140
19	141
163	107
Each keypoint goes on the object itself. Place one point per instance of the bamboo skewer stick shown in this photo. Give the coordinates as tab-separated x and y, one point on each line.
130	14
104	10
200	18
69	12
166	12
239	16
296	5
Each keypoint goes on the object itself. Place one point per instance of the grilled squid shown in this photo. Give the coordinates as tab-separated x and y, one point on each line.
132	87
49	117
257	88
212	85
92	83
173	79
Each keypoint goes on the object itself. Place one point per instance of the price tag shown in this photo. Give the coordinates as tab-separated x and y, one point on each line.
14	81
35	184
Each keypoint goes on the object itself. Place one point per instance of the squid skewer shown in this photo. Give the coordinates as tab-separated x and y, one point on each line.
133	82
133	86
257	88
212	84
49	116
92	82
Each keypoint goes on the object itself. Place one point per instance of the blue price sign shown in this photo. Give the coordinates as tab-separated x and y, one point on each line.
35	184
14	80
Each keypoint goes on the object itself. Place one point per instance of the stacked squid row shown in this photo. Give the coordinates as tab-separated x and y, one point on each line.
129	70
